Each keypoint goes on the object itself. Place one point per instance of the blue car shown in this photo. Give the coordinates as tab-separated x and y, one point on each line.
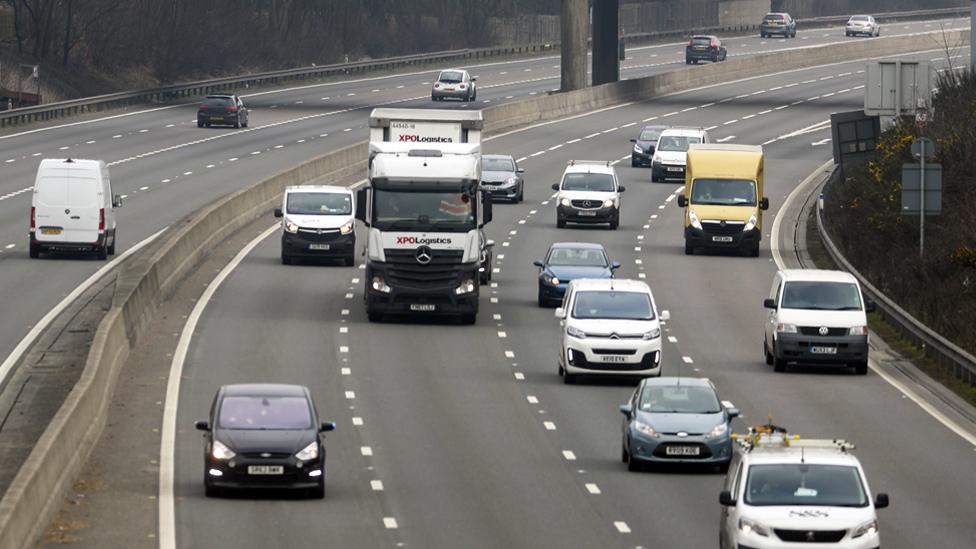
676	420
568	261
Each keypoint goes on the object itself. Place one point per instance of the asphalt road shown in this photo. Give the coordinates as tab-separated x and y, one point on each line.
471	435
166	167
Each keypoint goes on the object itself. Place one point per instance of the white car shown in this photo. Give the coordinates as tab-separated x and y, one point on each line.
782	493
671	152
862	24
318	221
609	326
455	84
588	193
816	316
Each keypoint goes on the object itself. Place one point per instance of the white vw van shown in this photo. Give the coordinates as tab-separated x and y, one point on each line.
72	208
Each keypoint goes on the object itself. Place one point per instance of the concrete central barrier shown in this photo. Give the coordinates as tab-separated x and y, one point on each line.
151	276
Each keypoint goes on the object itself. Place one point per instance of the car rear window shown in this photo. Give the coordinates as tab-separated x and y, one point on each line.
451	76
774	18
218	101
860	18
702	41
613	305
264	413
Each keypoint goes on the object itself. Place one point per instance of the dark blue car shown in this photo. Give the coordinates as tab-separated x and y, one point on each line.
568	261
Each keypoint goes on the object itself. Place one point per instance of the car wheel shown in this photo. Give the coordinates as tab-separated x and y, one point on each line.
689	249
285	259
102	253
247	120
723	468
318	492
633	162
543	302
878	32
624	456
861	368
111	249
200	123
469	319
237	122
350	260
569	379
34	251
687	61
634	465
560	222
614	224
762	35
211	491
779	364
768	356
374	316
754	251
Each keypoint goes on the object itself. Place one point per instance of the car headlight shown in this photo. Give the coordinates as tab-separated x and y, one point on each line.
751	224
566	202
786	328
719	430
220	451
638	149
609	203
869	528
347	228
653	334
290	227
693	217
644	429
858	331
466	287
553	280
380	285
510	181
575	332
748	526
309	452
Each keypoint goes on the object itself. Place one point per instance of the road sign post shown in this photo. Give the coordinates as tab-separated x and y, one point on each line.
922	186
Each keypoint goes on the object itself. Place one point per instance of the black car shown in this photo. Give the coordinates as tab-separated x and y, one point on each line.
778	23
264	436
643	150
222	109
705	48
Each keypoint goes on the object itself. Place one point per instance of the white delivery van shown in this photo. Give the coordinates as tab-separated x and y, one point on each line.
72	208
318	221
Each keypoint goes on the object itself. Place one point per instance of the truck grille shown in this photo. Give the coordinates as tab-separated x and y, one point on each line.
438	257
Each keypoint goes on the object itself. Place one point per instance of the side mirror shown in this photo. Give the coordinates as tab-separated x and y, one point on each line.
633	141
621	189
474	78
486	203
202	425
732	412
682	201
555	186
769	303
626	409
725	498
559	312
327	426
665	315
520	170
361	197
764	204
539	264
881	501
615	265
870	306
117	201
278	212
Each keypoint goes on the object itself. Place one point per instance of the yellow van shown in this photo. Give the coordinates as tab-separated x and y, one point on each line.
723	186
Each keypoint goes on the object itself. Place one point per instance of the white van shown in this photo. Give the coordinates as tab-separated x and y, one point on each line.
318	221
72	208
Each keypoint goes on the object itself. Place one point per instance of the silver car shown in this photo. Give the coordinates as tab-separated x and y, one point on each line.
862	24
501	176
456	83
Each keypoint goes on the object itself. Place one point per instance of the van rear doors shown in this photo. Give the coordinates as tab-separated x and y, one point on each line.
69	203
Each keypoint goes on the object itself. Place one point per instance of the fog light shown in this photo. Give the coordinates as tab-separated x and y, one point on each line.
315	473
379	285
216	473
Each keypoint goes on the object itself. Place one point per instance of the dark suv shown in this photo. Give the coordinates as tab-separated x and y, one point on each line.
222	109
705	48
778	23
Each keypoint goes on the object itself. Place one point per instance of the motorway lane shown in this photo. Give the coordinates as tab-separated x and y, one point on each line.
450	418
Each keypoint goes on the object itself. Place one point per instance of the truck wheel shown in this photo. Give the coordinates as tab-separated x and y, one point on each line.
861	368
689	249
35	251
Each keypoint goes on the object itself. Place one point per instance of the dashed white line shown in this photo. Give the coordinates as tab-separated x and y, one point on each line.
687	360
621	527
550	426
532	399
357	421
350	395
366	451
346	371
390	523
592	488
376	485
569	455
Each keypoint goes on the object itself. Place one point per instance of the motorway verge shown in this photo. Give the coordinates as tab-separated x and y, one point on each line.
145	283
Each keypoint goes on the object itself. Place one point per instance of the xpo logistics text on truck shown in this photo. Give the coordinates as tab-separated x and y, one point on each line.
425	213
723	197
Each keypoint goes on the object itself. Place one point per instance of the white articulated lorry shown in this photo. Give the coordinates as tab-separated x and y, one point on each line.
426	252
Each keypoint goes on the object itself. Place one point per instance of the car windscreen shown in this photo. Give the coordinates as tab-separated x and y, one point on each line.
600	182
264	413
319	204
578	257
497	165
805	484
649	135
822	296
451	76
677	143
723	192
678	399
613	305
452	211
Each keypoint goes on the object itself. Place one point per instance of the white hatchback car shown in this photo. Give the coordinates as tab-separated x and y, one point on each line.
609	326
588	193
671	153
862	24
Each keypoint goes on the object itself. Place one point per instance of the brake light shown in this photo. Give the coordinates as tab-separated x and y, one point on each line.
714	44
101	220
437	85
461	86
203	106
691	42
33	222
232	108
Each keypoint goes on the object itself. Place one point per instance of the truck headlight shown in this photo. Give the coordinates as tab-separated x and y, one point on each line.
858	331
869	528
380	285
748	526
653	334
290	227
693	218
718	431
347	228
572	331
751	224
638	149
609	203
220	451
466	287
309	452
566	202
644	429
786	328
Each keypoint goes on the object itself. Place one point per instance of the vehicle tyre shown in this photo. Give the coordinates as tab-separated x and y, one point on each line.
318	492
374	316
687	61
614	224
861	368
521	194
767	354
654	176
469	319
560	222
847	34
754	251
569	379
285	259
779	364
211	491
762	35
111	249
635	465
624	456
715	58
102	253
247	120
237	122
350	260
633	162
689	249
433	98
543	302
34	251
723	467
200	123
877	32
475	95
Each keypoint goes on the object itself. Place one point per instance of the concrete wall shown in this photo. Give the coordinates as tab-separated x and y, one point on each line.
738	13
822	8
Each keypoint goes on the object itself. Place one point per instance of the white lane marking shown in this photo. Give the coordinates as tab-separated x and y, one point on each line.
592	488
350	395
366	451
167	449
349	295
346	371
748	116
728	404
550	426
730	122
669	114
46	320
502	335
509	354
672	339
376	485
532	399
390	523
343	329
621	527
344	312
519	376
357	421
569	455
722	140
687	359
343	349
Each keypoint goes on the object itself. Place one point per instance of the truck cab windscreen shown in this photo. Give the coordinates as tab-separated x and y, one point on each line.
724	192
440	211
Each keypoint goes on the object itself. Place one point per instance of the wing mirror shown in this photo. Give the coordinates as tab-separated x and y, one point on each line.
633	141
278	212
725	498
764	204
202	425
539	264
682	201
665	315
621	189
117	201
520	170
881	501
555	186
327	426
615	265
732	412
626	409
559	312
769	303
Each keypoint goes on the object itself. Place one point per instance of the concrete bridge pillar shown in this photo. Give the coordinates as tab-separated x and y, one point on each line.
606	21
574	27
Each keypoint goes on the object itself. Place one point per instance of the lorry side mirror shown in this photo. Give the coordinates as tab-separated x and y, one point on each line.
555	186
361	195
769	303
278	212
764	204
486	207
682	201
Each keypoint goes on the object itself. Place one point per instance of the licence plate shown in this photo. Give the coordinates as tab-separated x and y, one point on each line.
673	169
823	350
587	214
612	358
721	239
682	450
319	247
216	117
51	230
449	88
265	469
425	307
490	187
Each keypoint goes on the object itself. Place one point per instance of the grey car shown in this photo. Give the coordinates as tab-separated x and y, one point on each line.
501	176
676	420
454	83
862	24
781	24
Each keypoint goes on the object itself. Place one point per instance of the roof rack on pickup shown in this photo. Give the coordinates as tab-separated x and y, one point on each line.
774	436
598	162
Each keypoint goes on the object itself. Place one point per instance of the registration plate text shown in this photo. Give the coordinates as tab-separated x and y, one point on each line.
319	247
823	350
265	470
587	214
612	358
51	230
423	307
682	451
675	169
721	239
